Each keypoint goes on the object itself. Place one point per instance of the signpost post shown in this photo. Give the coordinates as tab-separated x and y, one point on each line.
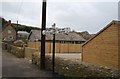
45	32
42	55
54	31
53	55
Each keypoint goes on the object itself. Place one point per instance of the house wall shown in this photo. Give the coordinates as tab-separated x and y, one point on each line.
6	34
103	49
59	47
119	46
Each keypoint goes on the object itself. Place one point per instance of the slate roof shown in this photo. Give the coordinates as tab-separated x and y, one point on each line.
72	36
85	35
22	32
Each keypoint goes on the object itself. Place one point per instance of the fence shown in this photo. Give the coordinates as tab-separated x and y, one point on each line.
59	47
29	51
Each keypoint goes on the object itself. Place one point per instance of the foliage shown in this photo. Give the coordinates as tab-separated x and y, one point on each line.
20	27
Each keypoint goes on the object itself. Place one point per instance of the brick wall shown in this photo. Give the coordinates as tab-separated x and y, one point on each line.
119	46
103	49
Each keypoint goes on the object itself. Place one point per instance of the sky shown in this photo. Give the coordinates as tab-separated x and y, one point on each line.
79	15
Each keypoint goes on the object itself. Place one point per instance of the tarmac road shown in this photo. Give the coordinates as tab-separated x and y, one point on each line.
0	58
19	67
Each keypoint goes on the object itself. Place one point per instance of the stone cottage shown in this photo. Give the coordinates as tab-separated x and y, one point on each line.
8	32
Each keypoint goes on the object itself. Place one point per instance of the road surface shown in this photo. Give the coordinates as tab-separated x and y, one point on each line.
19	67
0	58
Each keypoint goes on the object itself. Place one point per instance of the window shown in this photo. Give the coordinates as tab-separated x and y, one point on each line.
10	37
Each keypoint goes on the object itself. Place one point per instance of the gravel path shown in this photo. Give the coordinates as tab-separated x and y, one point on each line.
69	56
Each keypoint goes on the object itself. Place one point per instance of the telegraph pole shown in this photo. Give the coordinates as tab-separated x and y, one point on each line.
17	23
42	55
54	31
53	52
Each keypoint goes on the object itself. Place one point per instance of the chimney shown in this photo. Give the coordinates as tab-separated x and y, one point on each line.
9	21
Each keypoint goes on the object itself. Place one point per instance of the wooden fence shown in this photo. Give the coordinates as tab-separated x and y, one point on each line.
59	47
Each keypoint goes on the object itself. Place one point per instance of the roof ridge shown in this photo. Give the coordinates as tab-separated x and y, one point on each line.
108	25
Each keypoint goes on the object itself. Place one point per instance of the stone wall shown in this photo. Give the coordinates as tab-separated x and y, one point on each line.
17	51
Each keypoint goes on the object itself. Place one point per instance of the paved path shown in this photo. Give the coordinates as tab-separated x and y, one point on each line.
19	67
0	58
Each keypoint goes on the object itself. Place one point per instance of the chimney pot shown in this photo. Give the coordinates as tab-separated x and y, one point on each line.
9	21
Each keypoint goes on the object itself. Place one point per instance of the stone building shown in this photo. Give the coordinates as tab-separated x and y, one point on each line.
64	42
8	32
85	35
71	37
102	49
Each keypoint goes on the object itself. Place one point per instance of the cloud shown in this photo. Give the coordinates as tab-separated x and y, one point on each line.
60	0
27	13
80	16
0	9
83	16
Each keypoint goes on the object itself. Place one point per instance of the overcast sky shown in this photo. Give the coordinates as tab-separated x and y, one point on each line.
79	15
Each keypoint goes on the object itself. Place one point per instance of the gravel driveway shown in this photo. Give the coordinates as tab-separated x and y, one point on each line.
69	56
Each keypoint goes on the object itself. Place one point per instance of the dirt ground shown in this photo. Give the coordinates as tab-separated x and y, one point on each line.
69	56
